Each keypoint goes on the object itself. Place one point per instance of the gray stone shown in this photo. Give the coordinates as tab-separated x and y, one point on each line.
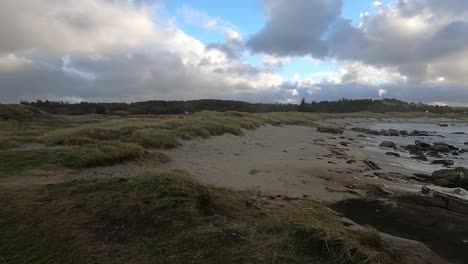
443	162
388	144
393	133
420	158
422	144
441	148
331	130
393	154
448	174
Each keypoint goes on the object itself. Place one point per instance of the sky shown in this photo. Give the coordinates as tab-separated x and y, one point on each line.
251	50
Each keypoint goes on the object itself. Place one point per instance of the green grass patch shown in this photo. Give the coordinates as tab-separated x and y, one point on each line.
14	162
169	218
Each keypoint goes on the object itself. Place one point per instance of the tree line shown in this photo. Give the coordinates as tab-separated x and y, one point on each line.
180	107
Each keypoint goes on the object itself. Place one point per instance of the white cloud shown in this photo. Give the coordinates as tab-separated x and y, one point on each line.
382	92
377	4
197	17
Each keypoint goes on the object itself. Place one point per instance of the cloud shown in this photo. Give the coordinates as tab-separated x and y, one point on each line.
197	17
115	51
89	26
295	27
420	39
10	63
121	50
232	46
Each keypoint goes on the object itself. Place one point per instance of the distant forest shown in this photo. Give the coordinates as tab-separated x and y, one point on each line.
180	107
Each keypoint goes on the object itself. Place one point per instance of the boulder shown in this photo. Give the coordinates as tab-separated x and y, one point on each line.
384	133
331	130
388	144
364	130
442	182
412	147
458	133
422	144
420	133
449	174
433	153
393	154
466	143
440	148
443	125
423	176
393	133
420	158
443	162
404	133
416	152
450	147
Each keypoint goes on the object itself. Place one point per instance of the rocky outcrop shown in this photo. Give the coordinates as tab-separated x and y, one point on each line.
330	130
440	148
443	162
365	131
457	177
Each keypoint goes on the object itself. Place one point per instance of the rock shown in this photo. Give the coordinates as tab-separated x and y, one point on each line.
382	190
388	144
393	133
443	162
412	147
372	165
466	143
393	154
419	133
415	152
433	154
440	148
458	133
351	161
425	190
404	133
411	251
450	147
391	176
448	174
453	203
365	130
443	125
442	182
422	144
384	133
331	130
420	158
423	176
255	171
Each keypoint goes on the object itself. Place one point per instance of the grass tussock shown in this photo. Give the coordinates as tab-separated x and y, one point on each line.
169	218
7	142
85	141
164	132
21	113
14	162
